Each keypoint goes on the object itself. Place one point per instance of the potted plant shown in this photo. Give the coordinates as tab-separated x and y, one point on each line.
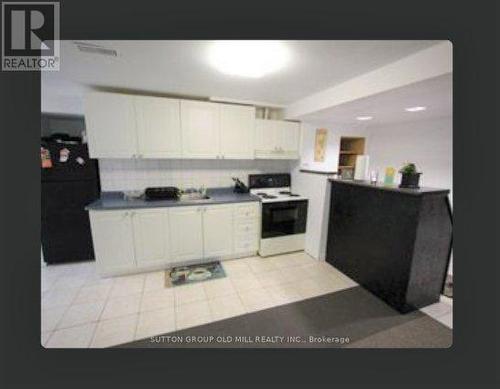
410	176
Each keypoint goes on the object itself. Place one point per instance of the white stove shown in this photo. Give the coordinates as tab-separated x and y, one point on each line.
284	214
274	195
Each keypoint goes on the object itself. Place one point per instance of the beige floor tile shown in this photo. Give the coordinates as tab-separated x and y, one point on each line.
79	314
115	331
236	268
192	314
156	299
284	293
97	280
92	293
261	265
51	317
74	337
291	274
273	277
44	337
309	287
155	323
446	319
127	285
249	282
257	299
226	306
59	297
218	288
282	261
438	309
302	258
121	306
69	282
189	293
155	281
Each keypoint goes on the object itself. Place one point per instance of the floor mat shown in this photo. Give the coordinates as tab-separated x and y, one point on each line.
184	275
348	318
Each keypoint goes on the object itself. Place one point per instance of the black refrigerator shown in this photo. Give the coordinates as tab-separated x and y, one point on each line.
70	181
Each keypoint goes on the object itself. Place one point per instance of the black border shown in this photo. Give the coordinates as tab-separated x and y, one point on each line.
472	359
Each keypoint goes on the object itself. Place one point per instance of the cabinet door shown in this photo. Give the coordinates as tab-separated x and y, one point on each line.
186	233
217	230
289	139
151	237
111	125
113	241
267	138
237	131
158	127
200	123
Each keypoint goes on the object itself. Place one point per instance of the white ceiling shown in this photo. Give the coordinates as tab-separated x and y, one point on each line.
181	68
389	107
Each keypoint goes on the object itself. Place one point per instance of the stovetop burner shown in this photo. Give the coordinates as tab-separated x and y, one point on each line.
268	196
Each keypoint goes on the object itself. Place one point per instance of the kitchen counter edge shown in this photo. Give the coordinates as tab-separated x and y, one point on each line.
392	188
111	201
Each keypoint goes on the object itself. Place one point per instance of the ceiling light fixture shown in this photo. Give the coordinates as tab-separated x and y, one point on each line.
362	118
415	109
252	59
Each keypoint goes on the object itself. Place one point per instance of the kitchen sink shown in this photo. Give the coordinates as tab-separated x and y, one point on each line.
198	197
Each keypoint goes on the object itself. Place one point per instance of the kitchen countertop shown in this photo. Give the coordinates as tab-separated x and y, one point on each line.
116	200
392	188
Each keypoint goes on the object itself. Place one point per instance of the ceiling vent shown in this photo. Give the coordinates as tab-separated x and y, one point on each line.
91	48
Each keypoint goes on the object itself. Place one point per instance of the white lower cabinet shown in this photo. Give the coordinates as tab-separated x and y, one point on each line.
218	230
127	241
113	241
151	237
186	233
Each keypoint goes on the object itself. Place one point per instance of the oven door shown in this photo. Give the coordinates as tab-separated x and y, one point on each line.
284	218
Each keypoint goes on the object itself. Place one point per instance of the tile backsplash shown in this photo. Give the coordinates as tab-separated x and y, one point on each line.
129	174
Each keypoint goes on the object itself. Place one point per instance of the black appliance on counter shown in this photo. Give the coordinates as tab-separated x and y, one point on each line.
162	193
70	181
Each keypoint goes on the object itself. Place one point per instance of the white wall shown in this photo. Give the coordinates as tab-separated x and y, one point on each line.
427	143
128	174
331	162
316	186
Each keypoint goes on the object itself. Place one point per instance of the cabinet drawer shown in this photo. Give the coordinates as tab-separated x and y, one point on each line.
246	228
246	246
246	211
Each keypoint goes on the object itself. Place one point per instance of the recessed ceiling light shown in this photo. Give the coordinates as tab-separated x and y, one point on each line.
248	58
415	109
364	118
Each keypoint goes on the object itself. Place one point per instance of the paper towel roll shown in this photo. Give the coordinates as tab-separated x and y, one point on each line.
362	165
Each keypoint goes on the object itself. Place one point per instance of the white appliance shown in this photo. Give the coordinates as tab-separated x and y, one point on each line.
284	214
362	165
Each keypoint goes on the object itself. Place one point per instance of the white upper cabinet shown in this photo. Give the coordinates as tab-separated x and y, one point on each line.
151	237
290	139
158	127
277	139
111	125
237	132
128	126
218	230
200	123
186	234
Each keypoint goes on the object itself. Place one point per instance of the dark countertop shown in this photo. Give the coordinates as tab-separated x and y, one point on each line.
116	200
392	188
